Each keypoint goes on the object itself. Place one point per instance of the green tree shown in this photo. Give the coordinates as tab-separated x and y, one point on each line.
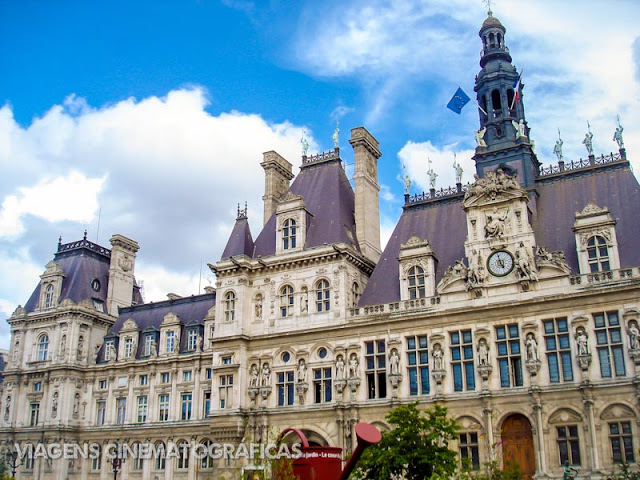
416	448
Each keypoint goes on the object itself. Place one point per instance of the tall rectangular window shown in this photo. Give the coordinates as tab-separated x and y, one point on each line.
121	410
128	347
187	376
568	444
101	412
163	407
226	391
165	377
285	388
144	380
207	403
322	385
192	339
376	368
108	348
418	365
462	360
468	448
171	338
509	356
187	403
142	409
35	414
556	339
96	461
621	442
148	345
609	341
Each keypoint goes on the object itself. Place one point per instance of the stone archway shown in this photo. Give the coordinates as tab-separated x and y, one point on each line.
517	444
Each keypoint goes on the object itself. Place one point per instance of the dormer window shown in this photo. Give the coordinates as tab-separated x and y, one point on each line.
128	347
289	234
108	347
192	339
148	345
286	301
43	347
598	254
323	296
171	342
48	296
230	306
416	282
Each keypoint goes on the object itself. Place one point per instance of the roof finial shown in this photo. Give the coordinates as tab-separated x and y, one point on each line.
59	242
242	213
85	234
336	135
489	11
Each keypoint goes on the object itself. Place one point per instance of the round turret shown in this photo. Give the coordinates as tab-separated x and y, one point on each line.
493	47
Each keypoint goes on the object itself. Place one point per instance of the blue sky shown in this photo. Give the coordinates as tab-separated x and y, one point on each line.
154	115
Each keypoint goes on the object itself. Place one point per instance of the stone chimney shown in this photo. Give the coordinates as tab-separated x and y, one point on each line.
277	174
366	153
121	273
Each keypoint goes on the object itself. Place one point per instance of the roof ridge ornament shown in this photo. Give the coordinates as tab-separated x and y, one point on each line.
242	212
488	3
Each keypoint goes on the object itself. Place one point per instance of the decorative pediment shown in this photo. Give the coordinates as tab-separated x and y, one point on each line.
553	259
493	186
616	411
129	326
170	319
564	415
414	242
592	209
51	269
469	423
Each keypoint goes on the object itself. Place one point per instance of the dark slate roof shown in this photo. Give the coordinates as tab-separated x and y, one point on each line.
240	241
81	262
329	198
443	224
190	310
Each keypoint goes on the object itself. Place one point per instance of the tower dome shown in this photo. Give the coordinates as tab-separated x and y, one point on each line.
492	34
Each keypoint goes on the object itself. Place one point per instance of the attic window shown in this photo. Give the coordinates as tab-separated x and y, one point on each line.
598	253
48	296
95	284
416	282
289	234
98	305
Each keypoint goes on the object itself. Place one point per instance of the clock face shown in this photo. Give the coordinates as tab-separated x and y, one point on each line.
500	263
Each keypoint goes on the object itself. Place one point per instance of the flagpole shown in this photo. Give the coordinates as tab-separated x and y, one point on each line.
515	94
481	109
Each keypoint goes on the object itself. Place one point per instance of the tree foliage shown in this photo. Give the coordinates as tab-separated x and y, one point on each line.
416	448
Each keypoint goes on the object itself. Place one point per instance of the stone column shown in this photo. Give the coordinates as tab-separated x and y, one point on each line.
541	469
587	401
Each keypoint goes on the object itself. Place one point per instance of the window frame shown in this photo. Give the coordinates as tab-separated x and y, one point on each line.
43	347
599	261
461	348
287	300
323	295
376	368
416	282
289	234
229	305
418	364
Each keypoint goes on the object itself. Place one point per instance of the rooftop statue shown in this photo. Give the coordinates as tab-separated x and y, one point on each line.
480	137
588	140
336	136
617	136
558	148
458	169
305	144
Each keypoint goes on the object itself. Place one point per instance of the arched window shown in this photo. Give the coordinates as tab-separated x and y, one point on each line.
323	296
160	455
207	460
96	459
43	347
289	234
230	306
499	36
48	296
496	102
492	40
416	282
598	254
136	465
510	94
355	294
286	301
183	455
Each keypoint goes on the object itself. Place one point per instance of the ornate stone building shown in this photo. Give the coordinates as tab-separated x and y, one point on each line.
514	301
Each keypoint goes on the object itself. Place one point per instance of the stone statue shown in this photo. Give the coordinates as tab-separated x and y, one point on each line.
556	257
432	175
265	377
340	368
617	136
305	144
524	263
532	348
76	405
394	363
568	472
154	347
588	141
438	358
63	346
54	405
258	308
480	137
519	126
304	304
353	366
558	148
253	378
336	136
302	371
634	336
475	273
112	352
7	408
495	223
407	183
582	340
198	342
458	169
483	352
80	349
96	350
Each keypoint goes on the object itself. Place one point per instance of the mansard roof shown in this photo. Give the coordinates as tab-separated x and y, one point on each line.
329	199
555	199
240	241
149	316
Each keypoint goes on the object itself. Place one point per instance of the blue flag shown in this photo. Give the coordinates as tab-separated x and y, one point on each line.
458	101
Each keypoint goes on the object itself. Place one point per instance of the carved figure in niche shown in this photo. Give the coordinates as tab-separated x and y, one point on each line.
524	266
63	346
617	136
495	223
7	408
54	405
634	335
583	342
394	363
304	304
519	128
479	134
265	376
302	371
438	358
258	307
340	368
80	350
475	273
76	405
16	351
483	352
254	376
532	348
353	366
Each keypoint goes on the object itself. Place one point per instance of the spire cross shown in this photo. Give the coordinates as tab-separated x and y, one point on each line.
488	3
